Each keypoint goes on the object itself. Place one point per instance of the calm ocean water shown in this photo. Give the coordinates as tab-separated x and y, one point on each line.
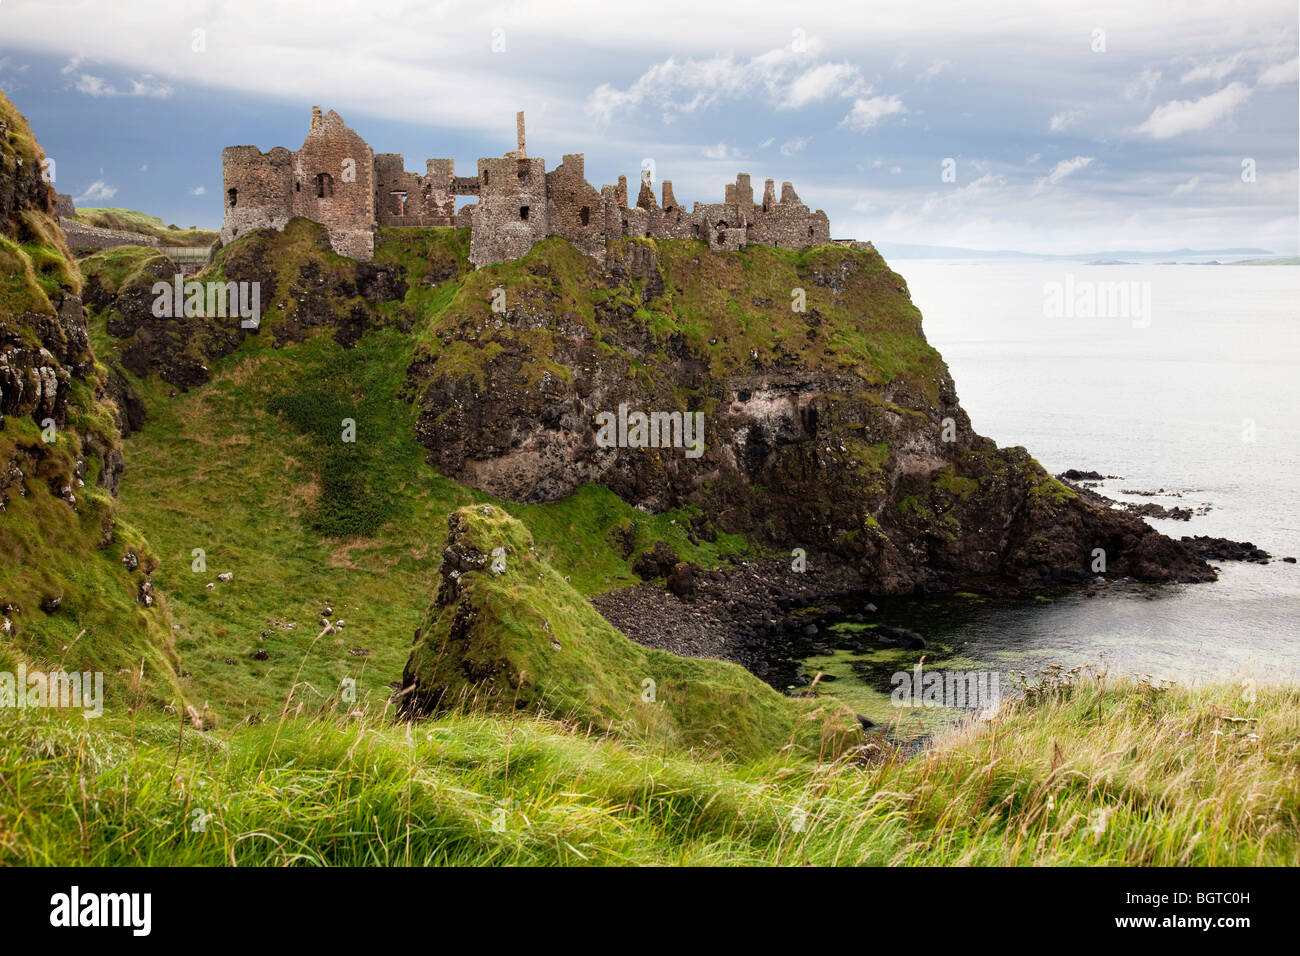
1197	395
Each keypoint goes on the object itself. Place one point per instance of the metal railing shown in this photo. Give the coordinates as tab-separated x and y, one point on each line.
186	254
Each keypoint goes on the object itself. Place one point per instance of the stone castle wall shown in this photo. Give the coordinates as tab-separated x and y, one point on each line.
337	180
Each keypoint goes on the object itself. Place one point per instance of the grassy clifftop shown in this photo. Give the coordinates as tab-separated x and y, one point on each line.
129	220
1084	774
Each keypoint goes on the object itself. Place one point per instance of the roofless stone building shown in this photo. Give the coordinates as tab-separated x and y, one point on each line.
336	179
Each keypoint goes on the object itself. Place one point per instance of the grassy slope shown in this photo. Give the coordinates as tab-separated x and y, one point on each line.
128	220
251	469
1083	774
48	549
731	308
118	267
521	638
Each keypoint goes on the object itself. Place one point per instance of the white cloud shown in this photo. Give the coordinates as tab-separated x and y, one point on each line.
780	76
1280	74
1066	167
97	86
866	113
1188	186
147	86
1142	86
1030	160
1214	70
821	82
721	151
1064	120
96	191
977	189
144	168
933	70
792	146
93	86
199	191
1184	116
767	142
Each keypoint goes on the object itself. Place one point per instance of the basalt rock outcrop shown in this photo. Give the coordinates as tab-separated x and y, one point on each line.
47	369
830	424
291	280
505	632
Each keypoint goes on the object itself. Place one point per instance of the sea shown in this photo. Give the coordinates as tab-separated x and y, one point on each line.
1179	379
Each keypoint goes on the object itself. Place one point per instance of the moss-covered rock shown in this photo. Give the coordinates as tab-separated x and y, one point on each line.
506	632
832	427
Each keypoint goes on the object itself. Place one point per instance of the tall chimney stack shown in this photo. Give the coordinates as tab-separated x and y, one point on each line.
519	135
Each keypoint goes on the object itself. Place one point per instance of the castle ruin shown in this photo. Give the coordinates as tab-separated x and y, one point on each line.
337	180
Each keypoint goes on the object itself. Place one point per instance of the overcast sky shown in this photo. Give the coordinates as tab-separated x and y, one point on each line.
1070	126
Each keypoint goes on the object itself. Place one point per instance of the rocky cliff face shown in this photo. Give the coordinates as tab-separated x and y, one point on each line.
45	356
828	422
835	429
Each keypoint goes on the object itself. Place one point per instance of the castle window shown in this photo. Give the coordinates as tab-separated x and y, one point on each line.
485	177
695	229
810	230
523	175
523	213
399	203
324	186
233	195
584	215
297	187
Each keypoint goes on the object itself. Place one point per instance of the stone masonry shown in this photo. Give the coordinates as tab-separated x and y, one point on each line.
337	180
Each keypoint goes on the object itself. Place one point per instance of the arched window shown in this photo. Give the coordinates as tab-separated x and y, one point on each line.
232	196
324	186
584	215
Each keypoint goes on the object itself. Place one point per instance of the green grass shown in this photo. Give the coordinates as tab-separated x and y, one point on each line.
519	637
1079	774
252	469
129	220
119	267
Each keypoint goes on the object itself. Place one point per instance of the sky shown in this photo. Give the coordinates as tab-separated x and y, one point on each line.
1051	127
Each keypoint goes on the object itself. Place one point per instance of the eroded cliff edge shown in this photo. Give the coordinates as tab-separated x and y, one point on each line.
831	425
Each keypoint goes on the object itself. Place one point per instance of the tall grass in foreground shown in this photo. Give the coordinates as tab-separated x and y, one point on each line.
1083	772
